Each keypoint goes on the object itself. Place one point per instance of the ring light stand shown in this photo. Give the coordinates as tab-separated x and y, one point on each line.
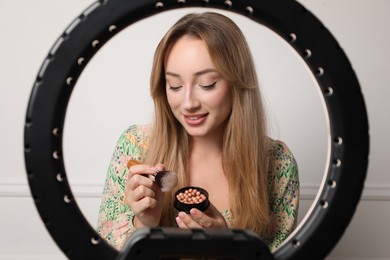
343	182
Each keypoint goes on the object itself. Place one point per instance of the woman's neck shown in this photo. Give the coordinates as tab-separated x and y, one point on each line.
202	149
206	170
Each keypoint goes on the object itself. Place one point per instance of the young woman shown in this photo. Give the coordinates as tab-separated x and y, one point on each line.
209	128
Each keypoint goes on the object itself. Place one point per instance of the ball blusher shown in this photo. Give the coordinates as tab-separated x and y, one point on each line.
186	199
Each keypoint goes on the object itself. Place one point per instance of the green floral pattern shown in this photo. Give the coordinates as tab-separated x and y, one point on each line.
283	190
115	221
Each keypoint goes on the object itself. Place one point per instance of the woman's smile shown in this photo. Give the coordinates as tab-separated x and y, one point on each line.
196	119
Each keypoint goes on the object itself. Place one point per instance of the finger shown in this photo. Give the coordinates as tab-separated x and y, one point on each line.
201	218
188	221
138	180
141	192
180	223
142	169
144	204
158	167
211	218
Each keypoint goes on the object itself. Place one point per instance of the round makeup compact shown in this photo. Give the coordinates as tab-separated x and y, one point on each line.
191	197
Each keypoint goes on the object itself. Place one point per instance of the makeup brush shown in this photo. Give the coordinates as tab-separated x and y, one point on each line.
166	180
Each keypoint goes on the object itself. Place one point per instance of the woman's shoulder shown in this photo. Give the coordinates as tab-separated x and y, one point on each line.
280	151
136	134
139	129
134	141
282	160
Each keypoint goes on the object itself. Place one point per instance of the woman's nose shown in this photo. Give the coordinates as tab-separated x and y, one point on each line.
191	101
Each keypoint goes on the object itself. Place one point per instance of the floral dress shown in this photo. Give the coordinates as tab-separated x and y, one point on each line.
115	220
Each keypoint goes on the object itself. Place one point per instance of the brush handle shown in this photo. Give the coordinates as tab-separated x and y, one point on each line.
132	162
135	162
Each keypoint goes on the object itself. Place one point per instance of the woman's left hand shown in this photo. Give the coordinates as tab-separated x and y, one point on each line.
211	218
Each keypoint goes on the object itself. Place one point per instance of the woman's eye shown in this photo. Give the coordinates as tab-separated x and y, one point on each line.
174	88
209	86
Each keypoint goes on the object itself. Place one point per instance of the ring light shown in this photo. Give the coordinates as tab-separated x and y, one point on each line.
343	182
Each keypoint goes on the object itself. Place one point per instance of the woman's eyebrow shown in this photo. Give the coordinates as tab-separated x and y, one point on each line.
168	73
198	73
205	71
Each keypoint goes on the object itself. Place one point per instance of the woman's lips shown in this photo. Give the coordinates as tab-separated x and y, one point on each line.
195	120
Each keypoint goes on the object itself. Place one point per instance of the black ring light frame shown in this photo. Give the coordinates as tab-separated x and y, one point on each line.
349	144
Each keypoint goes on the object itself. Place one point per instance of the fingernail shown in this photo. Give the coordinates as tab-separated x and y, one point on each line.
178	220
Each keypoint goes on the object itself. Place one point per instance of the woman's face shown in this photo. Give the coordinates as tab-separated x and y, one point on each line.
198	96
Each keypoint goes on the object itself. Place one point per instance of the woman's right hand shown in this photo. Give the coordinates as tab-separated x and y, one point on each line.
143	195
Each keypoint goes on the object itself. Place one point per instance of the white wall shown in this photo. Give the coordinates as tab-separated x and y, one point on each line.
29	29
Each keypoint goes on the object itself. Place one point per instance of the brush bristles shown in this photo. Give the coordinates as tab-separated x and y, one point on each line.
166	180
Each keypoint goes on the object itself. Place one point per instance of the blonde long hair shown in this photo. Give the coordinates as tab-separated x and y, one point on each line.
244	154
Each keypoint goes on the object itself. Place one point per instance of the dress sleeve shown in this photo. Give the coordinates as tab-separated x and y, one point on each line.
115	220
283	189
